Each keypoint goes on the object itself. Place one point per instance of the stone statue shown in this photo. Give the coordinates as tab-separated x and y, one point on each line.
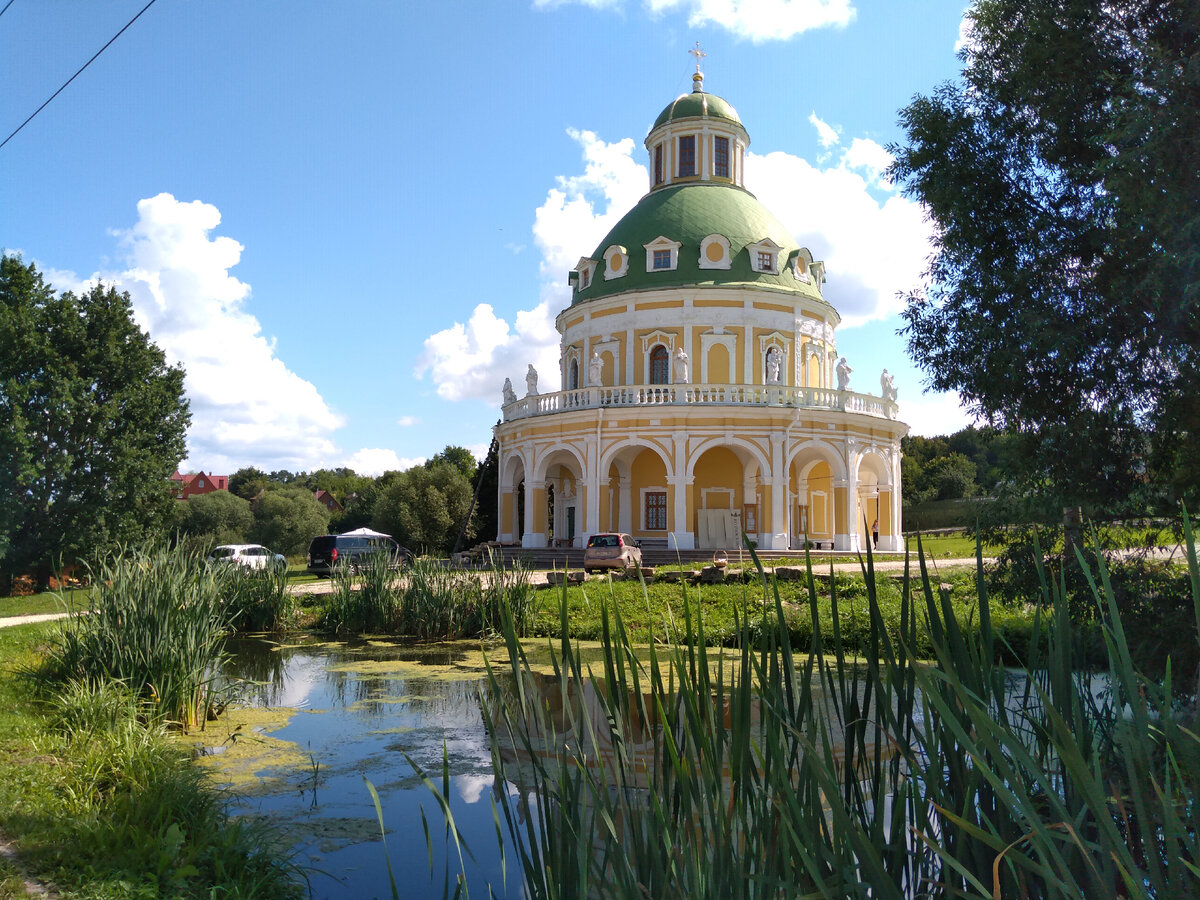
510	395
531	382
773	366
681	367
843	375
887	383
595	369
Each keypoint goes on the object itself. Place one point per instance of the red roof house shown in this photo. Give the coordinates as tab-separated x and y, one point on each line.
198	483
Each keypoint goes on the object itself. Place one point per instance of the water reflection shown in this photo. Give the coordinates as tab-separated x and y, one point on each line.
360	709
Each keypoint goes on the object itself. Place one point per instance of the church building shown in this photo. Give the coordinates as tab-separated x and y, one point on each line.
703	391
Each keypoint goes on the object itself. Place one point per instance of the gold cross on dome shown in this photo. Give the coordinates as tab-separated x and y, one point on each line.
699	54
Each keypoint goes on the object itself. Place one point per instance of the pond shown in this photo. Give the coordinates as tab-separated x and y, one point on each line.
322	716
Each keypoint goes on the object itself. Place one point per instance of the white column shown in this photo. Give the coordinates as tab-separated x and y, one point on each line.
775	536
680	537
535	493
626	516
846	541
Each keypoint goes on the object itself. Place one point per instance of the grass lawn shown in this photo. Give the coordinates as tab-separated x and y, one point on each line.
48	602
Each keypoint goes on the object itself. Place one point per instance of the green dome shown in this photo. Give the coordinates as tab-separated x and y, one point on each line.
688	213
697	104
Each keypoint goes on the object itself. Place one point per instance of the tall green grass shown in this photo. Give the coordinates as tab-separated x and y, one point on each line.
153	622
677	772
257	599
429	601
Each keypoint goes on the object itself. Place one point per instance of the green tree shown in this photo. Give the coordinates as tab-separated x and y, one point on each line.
459	457
1062	176
287	518
424	507
248	482
220	517
93	421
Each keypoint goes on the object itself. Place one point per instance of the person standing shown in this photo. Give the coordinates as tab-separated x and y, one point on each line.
875	532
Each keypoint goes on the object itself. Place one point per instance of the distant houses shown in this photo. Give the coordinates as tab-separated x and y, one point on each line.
328	501
196	483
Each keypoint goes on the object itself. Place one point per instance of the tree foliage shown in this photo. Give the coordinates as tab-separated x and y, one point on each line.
1062	175
248	482
92	423
424	507
220	517
287	518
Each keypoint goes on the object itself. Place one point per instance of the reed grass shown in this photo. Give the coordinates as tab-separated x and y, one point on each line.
154	621
666	772
258	599
429	601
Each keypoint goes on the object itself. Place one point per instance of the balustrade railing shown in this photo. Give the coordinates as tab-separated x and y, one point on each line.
700	395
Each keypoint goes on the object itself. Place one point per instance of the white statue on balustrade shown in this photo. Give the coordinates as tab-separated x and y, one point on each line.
843	375
510	395
595	369
681	367
531	378
887	383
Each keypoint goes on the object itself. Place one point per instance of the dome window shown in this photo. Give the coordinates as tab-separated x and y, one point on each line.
720	157
662	255
583	273
687	156
714	252
658	164
764	256
616	262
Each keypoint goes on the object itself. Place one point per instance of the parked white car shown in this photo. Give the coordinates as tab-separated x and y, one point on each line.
249	556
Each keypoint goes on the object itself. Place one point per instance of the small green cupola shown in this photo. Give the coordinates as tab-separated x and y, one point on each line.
697	137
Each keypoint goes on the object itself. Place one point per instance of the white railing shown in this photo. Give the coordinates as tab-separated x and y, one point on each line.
700	395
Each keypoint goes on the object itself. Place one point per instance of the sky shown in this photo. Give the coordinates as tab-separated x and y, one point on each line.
350	222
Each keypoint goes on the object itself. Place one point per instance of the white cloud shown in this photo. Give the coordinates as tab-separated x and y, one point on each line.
473	359
934	414
870	159
761	20
872	249
826	133
408	421
247	406
374	461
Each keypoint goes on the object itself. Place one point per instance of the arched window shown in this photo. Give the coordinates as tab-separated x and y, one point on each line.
573	376
660	365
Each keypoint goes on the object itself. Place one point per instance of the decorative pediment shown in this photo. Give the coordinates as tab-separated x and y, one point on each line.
764	256
662	255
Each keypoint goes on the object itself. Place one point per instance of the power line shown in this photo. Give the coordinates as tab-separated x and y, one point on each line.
6	6
76	75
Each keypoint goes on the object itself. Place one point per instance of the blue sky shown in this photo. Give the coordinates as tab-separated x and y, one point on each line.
350	222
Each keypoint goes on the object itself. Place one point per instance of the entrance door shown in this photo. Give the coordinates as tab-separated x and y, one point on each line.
571	526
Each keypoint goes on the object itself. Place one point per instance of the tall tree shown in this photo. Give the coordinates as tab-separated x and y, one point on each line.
1062	175
93	421
219	517
287	518
247	482
424	507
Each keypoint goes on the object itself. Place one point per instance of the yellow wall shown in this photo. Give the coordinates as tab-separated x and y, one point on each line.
718	365
719	468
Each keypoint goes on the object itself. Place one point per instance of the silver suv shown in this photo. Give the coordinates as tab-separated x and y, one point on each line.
611	551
